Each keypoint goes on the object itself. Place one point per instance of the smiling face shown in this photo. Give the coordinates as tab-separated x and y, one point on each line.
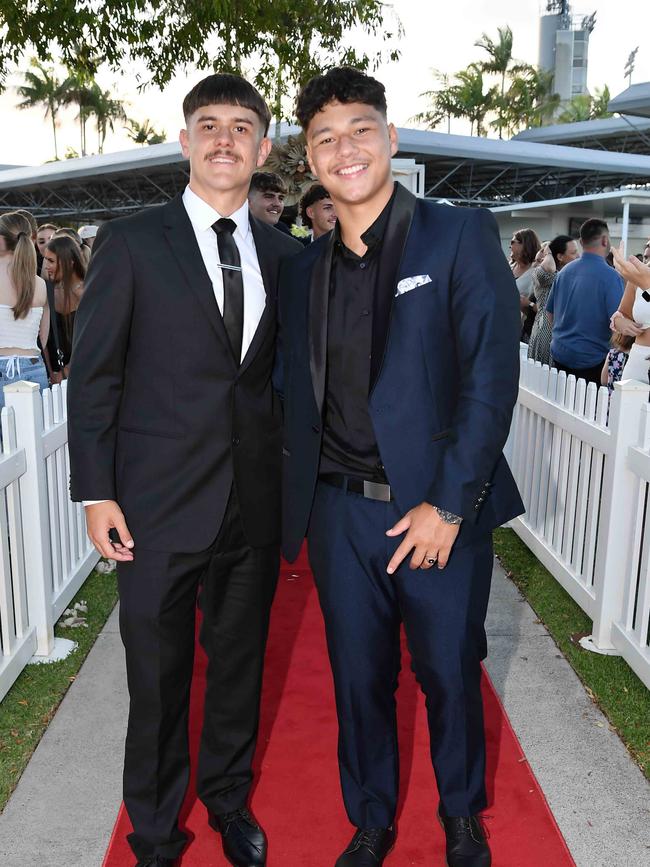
266	205
323	216
225	144
349	146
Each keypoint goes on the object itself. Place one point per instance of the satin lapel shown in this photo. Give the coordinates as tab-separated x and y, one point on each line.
182	241
390	258
267	256
319	295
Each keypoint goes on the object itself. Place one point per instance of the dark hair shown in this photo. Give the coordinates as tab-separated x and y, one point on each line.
530	244
558	245
342	84
226	89
71	265
591	230
267	182
315	193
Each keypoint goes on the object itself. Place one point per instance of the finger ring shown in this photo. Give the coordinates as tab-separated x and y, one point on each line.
431	560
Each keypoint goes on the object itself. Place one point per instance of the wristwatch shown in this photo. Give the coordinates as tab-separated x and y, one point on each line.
448	517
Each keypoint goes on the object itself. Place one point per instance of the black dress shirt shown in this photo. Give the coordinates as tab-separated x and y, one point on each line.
349	442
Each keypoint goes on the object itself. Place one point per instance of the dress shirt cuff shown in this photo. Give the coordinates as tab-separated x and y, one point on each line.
93	502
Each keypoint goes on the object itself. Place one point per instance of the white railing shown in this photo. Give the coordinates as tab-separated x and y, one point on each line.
584	479
45	555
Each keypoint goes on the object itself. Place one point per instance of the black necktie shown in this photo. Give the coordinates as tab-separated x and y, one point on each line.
233	285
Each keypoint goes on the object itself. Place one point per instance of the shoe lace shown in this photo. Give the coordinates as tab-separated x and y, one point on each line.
242	814
370	837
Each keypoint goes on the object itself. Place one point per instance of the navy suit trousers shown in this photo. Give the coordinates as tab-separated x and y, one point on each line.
443	612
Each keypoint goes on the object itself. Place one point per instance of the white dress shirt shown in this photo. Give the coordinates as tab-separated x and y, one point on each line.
202	216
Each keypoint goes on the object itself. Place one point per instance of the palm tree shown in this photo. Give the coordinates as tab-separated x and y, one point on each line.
599	103
500	62
106	110
42	87
529	101
471	100
79	90
577	109
442	104
144	133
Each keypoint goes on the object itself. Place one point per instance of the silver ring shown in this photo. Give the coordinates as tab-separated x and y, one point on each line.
431	560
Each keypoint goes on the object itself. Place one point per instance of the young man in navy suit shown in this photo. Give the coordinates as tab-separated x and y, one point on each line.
399	368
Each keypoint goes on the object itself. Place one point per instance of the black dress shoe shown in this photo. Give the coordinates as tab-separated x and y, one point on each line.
466	843
157	861
368	848
244	842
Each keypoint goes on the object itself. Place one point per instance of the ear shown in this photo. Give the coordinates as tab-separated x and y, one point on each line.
309	160
310	212
264	150
184	139
393	138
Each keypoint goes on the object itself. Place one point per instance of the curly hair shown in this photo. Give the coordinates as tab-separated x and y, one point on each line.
342	84
315	193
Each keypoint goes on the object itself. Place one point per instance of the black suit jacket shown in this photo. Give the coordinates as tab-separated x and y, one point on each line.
161	418
444	367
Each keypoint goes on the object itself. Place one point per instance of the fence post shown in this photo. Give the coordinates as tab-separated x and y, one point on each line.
617	511
25	399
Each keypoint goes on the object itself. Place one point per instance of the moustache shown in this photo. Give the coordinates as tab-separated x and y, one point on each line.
228	154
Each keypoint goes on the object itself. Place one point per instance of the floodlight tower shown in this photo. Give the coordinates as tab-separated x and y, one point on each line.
564	47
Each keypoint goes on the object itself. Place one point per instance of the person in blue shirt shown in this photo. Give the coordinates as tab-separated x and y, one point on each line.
584	296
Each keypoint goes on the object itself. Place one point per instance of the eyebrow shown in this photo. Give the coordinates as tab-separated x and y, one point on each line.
205	117
352	120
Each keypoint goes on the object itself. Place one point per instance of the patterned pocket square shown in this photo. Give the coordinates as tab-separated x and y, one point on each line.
409	283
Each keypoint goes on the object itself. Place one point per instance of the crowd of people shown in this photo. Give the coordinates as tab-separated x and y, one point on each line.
43	268
42	272
582	309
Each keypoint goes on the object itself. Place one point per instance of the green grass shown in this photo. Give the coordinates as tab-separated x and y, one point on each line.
30	704
609	681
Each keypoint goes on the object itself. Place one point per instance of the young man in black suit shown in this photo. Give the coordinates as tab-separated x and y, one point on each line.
175	450
400	347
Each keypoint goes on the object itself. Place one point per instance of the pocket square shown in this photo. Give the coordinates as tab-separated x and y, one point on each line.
409	283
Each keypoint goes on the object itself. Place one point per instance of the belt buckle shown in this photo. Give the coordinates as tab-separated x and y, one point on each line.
376	491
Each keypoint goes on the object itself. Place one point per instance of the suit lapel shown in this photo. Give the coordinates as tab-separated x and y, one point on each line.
319	294
182	241
390	259
267	257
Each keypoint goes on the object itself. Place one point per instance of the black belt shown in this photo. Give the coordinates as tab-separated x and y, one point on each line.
370	490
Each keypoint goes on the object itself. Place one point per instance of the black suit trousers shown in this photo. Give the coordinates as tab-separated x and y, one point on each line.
158	594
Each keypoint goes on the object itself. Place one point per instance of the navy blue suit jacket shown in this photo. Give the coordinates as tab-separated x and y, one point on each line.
444	374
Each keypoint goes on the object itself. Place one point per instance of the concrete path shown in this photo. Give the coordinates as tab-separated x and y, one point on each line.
63	810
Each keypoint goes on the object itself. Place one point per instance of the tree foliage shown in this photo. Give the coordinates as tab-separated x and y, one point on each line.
287	40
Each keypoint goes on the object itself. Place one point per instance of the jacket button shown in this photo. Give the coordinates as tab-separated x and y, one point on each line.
315	428
235	441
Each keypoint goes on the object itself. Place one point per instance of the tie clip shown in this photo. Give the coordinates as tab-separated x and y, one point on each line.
229	267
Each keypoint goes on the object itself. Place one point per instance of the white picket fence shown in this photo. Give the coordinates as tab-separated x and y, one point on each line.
45	555
583	470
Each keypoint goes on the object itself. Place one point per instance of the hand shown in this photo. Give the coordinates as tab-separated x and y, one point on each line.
428	534
631	269
56	377
102	517
622	325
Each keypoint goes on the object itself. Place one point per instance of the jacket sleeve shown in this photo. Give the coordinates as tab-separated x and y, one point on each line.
100	342
486	322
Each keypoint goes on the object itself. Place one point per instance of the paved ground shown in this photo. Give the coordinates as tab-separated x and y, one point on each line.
62	813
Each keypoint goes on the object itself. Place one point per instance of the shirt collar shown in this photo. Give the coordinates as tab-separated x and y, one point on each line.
203	216
374	234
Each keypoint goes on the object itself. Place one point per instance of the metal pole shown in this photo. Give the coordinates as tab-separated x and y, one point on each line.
626	226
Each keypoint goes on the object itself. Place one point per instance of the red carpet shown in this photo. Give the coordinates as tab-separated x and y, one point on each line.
298	785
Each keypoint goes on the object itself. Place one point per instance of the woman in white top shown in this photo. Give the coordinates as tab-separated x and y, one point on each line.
633	315
24	314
